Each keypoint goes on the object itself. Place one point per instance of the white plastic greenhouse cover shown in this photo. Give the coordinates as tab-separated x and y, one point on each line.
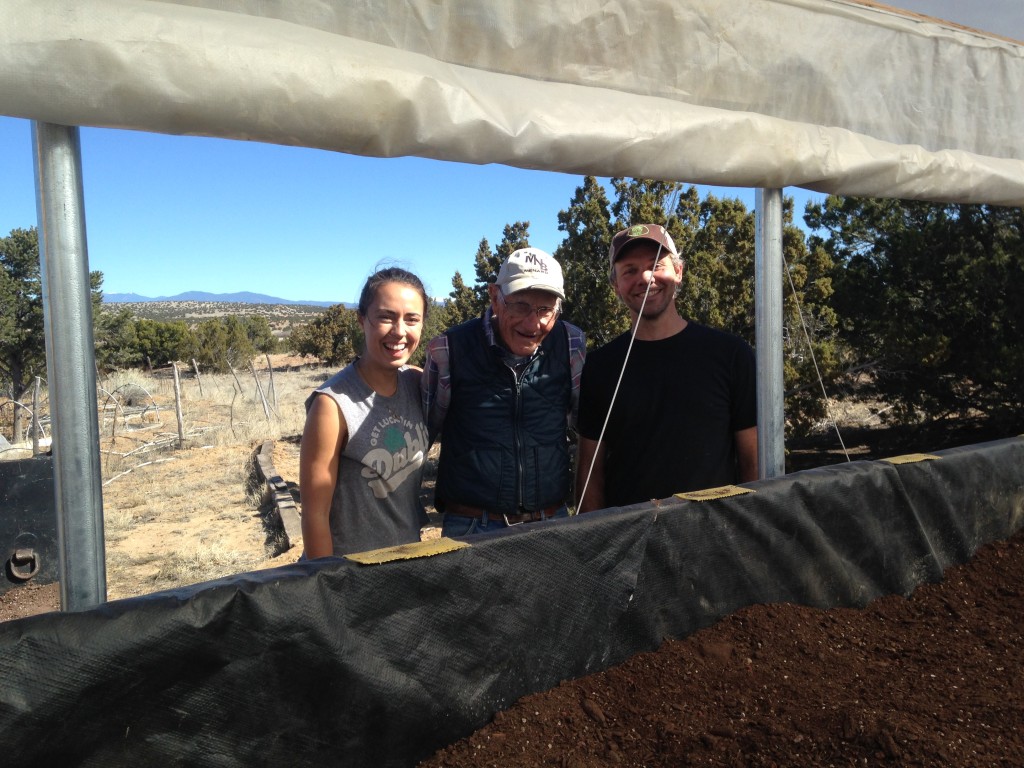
831	95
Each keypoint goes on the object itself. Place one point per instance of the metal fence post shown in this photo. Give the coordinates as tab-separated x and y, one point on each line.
70	365
771	448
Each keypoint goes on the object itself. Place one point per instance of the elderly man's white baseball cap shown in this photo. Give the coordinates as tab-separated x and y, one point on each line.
531	268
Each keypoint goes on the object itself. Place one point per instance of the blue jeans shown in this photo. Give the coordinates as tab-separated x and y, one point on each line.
455	526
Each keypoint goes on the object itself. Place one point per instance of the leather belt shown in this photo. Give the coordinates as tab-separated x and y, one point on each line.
464	510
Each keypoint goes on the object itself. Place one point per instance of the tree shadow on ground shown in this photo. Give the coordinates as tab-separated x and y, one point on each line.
880	442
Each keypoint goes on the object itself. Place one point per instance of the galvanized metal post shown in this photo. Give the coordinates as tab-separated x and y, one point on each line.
771	443
70	365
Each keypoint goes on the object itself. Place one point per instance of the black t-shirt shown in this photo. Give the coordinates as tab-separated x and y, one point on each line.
680	402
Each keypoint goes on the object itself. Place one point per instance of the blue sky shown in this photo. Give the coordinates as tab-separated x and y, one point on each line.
168	214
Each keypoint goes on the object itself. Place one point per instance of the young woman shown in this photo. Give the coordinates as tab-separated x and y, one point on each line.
365	441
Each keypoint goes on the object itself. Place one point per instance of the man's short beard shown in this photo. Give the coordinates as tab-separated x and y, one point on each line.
652	313
647	314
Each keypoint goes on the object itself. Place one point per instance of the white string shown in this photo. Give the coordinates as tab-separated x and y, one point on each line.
810	348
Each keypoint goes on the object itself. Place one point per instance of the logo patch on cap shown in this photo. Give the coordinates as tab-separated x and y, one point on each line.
639	230
535	262
530	268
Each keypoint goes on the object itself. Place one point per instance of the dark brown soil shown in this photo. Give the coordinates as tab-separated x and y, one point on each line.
936	679
933	680
29	600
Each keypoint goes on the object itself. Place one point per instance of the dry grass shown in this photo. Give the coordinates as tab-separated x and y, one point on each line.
177	515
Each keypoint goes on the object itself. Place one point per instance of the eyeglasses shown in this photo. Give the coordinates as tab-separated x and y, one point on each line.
519	310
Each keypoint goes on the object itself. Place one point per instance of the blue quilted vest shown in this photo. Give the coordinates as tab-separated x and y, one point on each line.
504	445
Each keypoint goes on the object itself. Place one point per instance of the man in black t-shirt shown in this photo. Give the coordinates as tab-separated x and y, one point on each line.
685	415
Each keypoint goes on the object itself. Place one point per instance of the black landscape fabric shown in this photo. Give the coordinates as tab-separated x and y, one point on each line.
334	663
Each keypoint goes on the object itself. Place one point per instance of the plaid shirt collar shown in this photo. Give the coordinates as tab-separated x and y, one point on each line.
492	339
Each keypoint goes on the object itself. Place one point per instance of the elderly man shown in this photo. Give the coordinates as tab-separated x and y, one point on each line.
502	389
684	416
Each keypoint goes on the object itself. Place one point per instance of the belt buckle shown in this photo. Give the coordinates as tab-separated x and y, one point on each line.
509	524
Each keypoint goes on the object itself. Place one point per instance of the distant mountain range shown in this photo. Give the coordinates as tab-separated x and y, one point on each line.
243	297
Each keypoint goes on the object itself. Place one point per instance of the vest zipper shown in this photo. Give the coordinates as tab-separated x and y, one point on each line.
517	442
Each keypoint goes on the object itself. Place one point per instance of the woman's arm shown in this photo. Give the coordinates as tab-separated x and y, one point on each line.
323	440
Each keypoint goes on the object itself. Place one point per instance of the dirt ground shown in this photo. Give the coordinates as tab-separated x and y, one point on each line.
933	680
29	600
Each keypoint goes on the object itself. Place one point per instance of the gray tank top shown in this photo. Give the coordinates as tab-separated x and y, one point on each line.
376	500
